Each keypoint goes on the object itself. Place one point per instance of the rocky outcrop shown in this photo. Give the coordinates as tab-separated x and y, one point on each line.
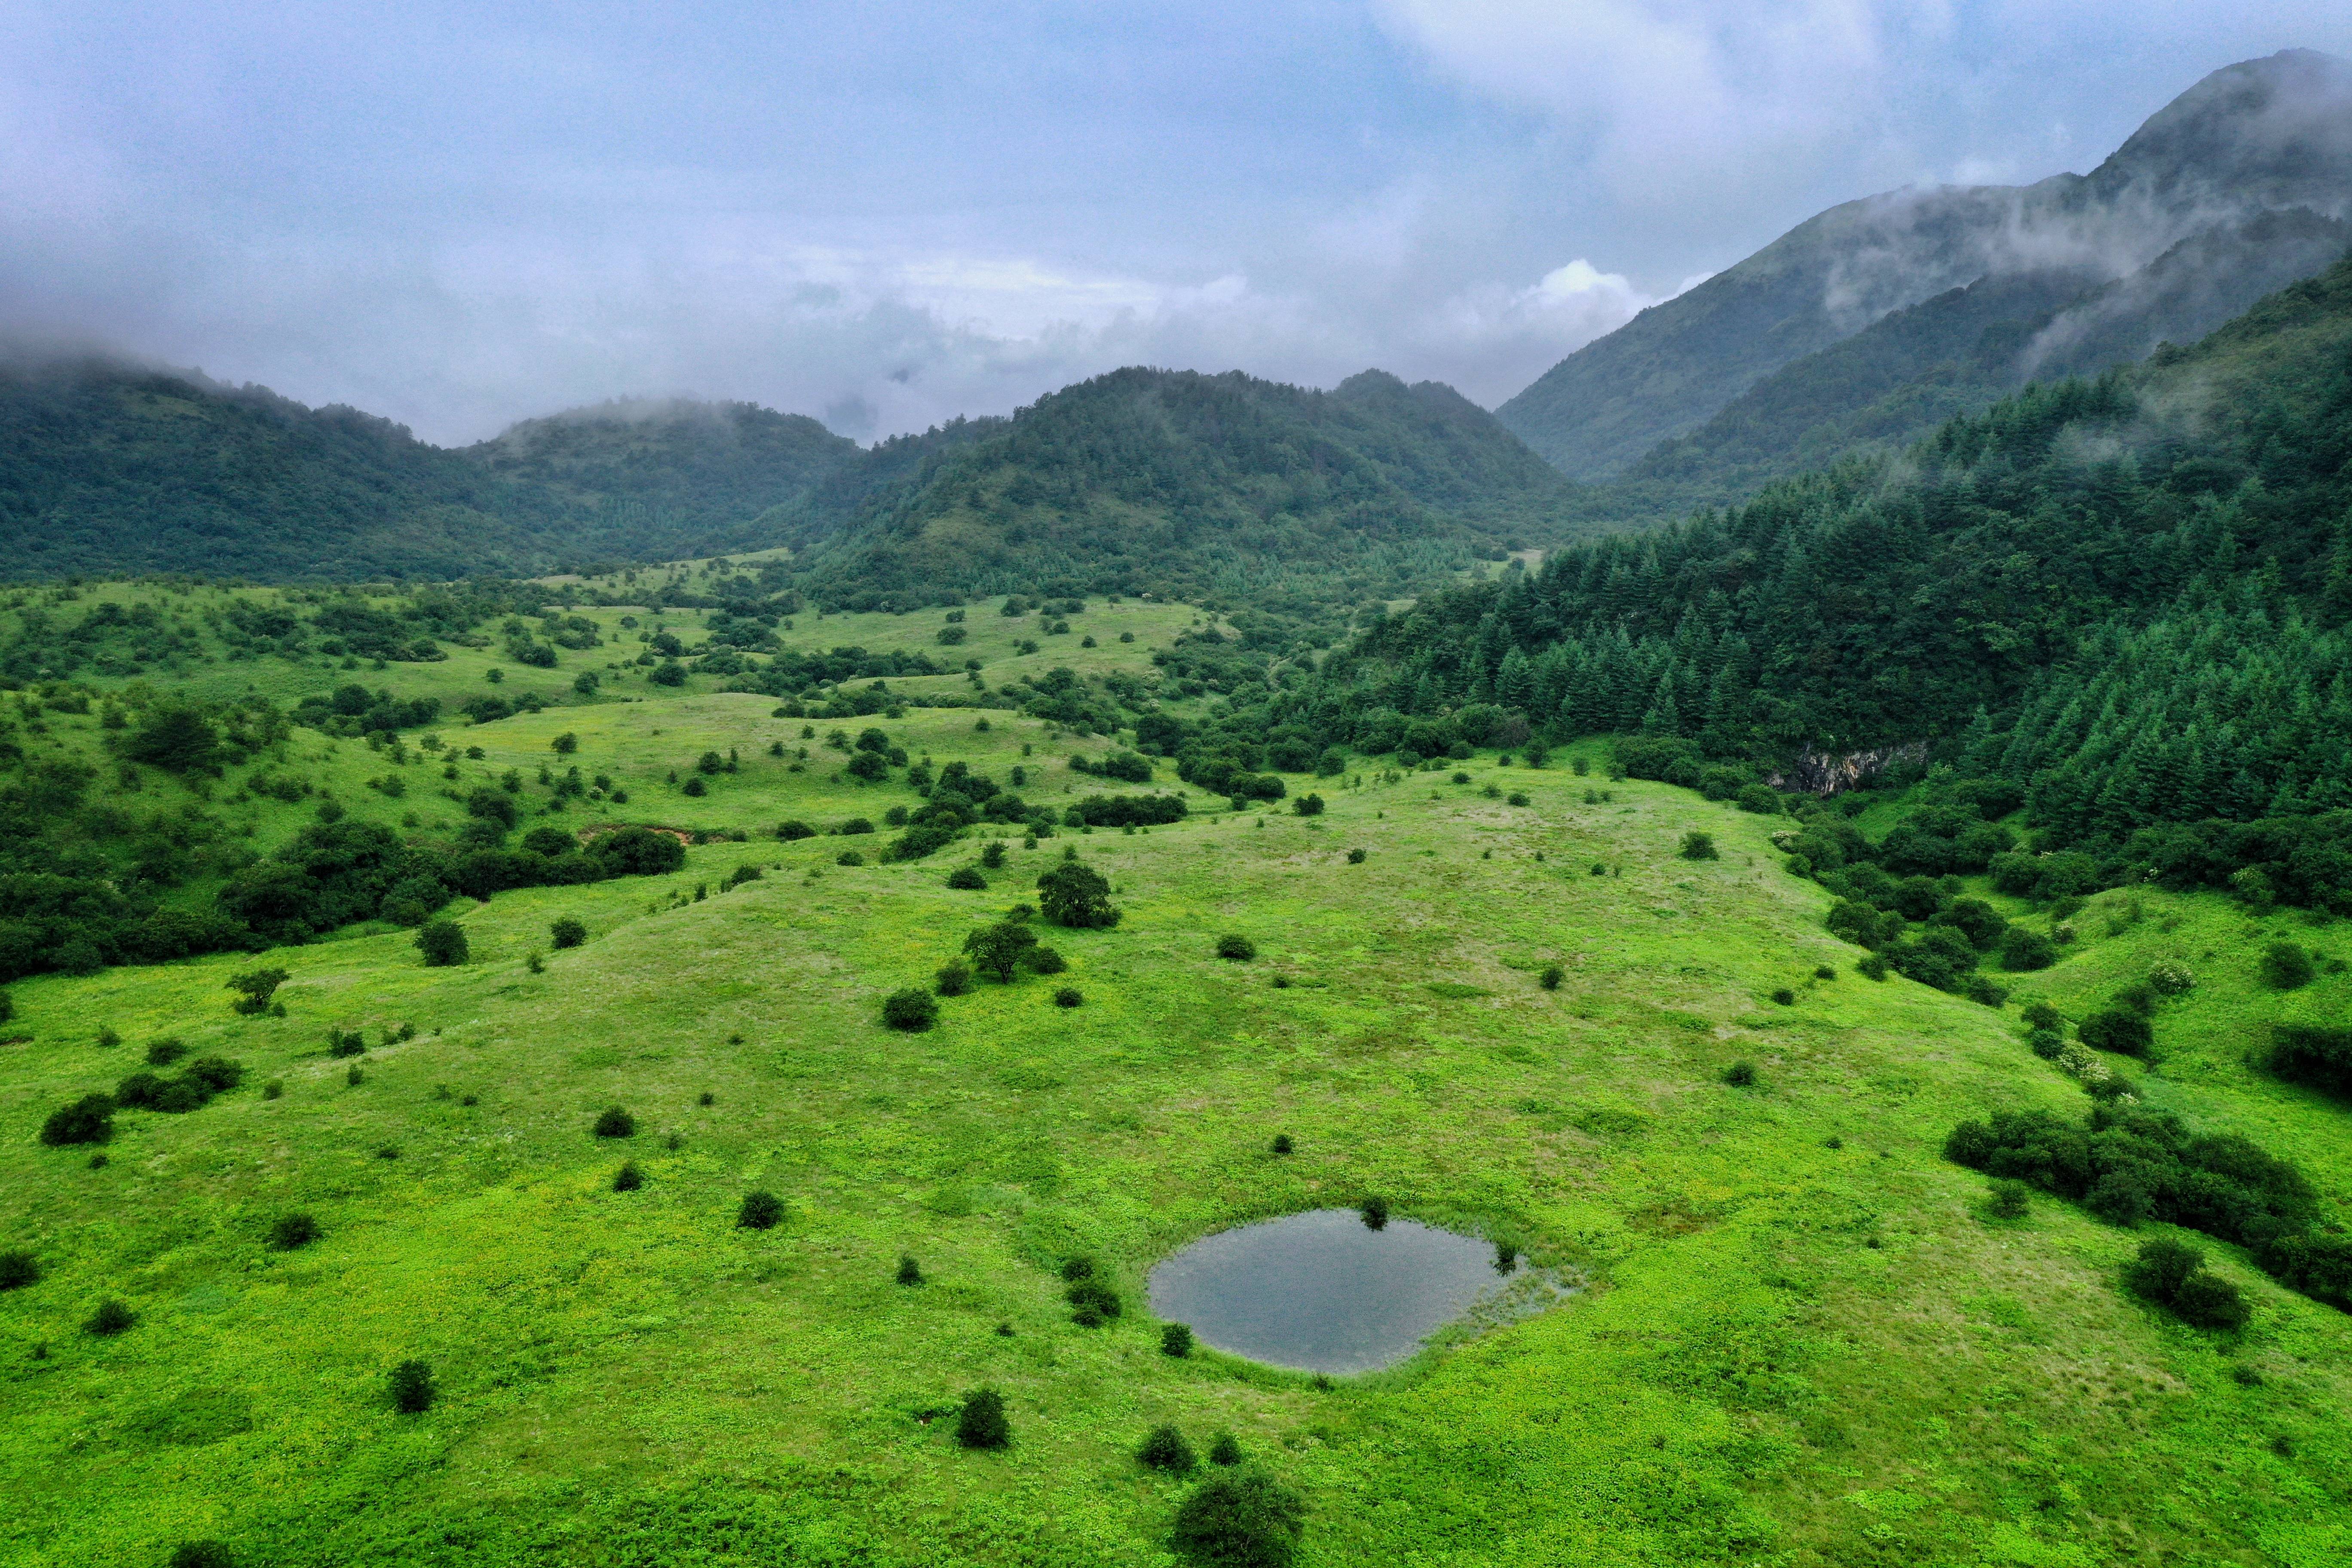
1822	774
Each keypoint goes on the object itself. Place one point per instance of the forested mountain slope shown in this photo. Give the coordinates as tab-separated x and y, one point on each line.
109	468
2271	136
1147	481
669	477
2126	598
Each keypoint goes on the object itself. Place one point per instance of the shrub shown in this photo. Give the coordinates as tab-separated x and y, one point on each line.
1225	1450
2043	1016
2022	950
638	852
1785	998
1981	989
1759	798
1043	960
292	1231
1307	805
1355	857
849	858
2285	967
909	1272
628	1178
202	1555
1072	894
443	943
1871	967
616	1122
967	879
1824	972
992	853
1697	846
1518	797
2116	1030
410	1386
1068	996
2313	1054
2045	1043
1243	1519
18	1269
1551	976
2206	1301
1176	1340
89	1119
954	978
1740	1074
791	830
2170	977
2010	1199
567	932
982	1422
912	1009
163	1053
1281	1144
1165	1449
1375	1211
1236	947
1094	1301
111	1318
761	1211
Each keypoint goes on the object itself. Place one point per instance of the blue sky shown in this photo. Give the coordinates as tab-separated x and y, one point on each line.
888	213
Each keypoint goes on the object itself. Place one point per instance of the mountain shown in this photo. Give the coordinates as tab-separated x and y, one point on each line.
111	468
1183	484
669	477
108	468
2128	600
2246	174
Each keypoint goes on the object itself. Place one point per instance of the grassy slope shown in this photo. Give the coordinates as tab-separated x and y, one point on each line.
1747	1375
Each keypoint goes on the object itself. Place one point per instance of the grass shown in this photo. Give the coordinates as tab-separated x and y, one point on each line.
1786	1350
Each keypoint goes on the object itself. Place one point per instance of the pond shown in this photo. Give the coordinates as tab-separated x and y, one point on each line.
1323	1291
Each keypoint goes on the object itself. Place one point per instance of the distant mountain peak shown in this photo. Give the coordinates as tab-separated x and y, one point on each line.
2266	135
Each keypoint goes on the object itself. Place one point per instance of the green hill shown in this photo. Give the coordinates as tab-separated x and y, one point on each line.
665	480
1188	486
108	470
2248	176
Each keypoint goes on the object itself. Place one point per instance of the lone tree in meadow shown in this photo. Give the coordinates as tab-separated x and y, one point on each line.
443	943
255	987
998	949
1073	894
567	932
982	1422
1697	846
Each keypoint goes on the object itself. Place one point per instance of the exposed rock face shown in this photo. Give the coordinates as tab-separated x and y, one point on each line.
1819	773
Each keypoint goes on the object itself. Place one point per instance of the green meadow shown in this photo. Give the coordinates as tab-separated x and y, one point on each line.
1796	1335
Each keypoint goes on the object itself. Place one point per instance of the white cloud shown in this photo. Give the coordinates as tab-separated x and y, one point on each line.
1676	102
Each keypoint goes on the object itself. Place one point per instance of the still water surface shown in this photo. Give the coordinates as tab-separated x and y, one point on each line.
1323	1291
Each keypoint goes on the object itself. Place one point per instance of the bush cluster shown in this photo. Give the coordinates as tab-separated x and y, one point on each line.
2173	1274
2129	1166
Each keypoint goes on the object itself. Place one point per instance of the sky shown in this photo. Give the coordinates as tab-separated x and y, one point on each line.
888	213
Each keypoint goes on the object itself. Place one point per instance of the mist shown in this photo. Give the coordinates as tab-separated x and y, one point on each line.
889	216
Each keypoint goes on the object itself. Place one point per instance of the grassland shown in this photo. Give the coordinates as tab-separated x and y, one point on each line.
1798	1341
